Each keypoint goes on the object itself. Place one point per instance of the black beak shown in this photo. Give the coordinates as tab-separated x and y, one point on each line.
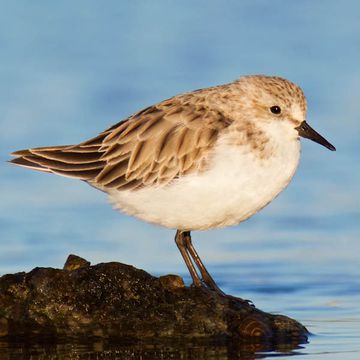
306	131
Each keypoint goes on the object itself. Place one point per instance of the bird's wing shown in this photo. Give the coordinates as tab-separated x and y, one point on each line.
158	144
74	161
153	146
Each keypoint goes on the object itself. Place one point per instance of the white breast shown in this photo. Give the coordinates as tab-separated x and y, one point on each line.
237	185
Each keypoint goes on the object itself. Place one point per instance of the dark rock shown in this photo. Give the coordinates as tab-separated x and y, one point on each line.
113	301
74	262
172	282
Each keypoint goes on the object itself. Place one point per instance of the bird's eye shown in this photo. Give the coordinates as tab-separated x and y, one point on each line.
275	109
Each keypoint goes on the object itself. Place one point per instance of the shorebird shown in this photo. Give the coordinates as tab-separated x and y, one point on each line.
200	160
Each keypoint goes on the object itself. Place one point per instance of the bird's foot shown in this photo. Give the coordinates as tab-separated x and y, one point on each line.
211	291
240	300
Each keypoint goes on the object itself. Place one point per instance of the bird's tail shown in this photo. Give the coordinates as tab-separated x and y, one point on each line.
81	161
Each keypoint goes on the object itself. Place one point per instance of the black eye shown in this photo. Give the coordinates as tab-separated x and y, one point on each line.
275	109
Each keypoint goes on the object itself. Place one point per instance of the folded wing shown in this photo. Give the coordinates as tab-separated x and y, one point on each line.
152	147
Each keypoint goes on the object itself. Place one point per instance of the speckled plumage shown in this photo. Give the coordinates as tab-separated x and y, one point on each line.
200	160
203	159
172	138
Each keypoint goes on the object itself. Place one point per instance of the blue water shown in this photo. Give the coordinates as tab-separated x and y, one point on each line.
71	69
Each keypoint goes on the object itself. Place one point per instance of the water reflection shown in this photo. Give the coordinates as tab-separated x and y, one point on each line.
190	349
69	71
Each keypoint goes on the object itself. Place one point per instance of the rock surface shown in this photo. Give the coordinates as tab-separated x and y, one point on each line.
118	301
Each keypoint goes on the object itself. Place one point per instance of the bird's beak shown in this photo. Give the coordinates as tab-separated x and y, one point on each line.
306	131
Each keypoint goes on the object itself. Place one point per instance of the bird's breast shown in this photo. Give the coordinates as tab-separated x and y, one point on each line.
236	185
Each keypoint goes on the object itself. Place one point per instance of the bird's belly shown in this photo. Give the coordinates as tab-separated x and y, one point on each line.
234	188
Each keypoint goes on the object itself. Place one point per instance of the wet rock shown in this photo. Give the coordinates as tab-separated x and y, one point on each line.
172	282
74	262
114	300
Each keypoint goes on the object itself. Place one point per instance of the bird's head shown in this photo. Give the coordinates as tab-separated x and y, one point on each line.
275	100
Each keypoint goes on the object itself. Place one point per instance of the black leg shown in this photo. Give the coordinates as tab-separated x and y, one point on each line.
190	256
206	277
181	244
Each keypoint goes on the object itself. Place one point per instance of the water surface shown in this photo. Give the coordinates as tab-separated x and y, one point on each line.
70	70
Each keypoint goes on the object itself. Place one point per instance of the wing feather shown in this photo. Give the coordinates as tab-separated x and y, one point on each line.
153	146
58	165
167	140
67	157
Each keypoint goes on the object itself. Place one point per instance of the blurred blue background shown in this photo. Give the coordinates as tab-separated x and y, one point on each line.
71	69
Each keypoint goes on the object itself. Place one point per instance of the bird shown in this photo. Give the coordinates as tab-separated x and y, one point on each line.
200	160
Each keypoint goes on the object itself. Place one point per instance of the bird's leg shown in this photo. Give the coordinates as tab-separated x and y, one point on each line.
190	256
206	277
181	244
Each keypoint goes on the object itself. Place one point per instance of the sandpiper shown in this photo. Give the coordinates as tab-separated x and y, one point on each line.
197	161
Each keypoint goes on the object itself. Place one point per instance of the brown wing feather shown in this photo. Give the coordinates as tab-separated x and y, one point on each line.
82	161
162	142
154	146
